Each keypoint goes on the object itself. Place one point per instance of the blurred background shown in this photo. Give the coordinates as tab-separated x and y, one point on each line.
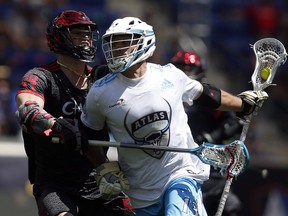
220	31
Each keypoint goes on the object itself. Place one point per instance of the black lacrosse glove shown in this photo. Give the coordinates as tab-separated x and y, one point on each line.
70	134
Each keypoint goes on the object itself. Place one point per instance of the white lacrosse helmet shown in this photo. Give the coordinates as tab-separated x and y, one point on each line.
136	39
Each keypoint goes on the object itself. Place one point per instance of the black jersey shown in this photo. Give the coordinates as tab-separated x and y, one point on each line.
222	126
49	161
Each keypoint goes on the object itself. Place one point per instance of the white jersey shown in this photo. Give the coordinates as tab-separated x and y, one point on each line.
148	110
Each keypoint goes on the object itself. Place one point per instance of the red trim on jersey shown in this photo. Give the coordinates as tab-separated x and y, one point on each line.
54	67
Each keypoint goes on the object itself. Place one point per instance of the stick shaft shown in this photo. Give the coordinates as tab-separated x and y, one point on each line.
135	146
146	147
229	180
245	129
224	196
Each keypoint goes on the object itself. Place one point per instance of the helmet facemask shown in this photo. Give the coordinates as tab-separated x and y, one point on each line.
120	57
81	42
73	33
128	41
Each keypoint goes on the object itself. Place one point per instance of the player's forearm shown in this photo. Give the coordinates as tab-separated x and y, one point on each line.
230	102
23	97
96	155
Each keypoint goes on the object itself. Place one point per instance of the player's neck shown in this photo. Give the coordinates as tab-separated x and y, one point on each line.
74	71
136	71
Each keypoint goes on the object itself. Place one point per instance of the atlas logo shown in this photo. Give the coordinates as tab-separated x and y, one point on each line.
150	129
158	116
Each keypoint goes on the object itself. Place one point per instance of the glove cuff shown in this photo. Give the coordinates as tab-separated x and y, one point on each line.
105	168
248	107
57	128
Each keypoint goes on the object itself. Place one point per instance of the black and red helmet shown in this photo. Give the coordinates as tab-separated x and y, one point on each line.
190	63
59	39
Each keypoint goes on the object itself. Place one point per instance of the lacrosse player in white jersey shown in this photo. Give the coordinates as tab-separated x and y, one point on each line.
142	103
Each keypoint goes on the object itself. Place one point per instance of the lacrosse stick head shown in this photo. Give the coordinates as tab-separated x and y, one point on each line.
239	157
270	54
233	158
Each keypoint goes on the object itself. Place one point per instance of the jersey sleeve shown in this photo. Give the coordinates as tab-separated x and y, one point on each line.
191	88
34	82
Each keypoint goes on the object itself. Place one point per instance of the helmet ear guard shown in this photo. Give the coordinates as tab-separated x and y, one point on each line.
140	32
58	31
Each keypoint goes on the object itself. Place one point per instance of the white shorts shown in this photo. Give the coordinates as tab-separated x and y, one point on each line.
181	197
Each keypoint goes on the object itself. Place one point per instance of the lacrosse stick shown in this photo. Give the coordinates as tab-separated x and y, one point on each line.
270	54
233	157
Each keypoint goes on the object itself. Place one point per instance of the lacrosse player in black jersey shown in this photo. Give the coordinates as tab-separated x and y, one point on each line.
213	126
50	101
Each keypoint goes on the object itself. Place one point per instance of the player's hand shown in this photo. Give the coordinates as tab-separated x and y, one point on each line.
111	180
70	134
252	100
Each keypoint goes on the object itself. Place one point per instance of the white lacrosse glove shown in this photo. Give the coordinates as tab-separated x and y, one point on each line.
252	100
111	180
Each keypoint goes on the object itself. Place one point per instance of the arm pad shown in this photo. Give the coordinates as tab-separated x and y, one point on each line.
210	97
33	119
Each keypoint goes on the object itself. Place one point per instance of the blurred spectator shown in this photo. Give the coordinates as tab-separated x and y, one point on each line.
8	124
26	23
263	16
